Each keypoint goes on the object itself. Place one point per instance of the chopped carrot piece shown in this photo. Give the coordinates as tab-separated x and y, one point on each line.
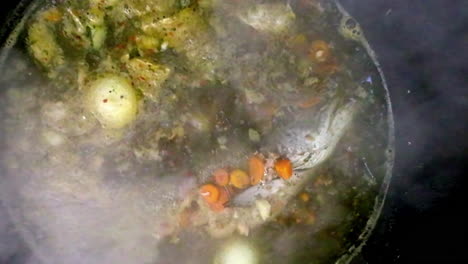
223	199
224	196
231	191
284	168
221	177
319	51
256	169
210	193
239	179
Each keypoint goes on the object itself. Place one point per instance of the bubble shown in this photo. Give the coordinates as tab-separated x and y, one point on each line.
350	29
350	23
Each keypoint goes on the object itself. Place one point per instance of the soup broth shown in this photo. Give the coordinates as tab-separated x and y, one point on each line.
182	131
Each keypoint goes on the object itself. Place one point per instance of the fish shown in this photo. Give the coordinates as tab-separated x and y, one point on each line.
307	142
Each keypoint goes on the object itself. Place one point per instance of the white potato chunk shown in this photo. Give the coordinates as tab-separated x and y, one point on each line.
112	100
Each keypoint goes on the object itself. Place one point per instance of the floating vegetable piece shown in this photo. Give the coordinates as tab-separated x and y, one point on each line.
148	77
83	29
283	167
210	193
319	51
256	169
239	179
112	100
243	229
43	46
221	177
222	200
254	136
264	208
188	33
147	45
223	196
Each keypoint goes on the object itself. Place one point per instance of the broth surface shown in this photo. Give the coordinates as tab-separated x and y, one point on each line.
119	119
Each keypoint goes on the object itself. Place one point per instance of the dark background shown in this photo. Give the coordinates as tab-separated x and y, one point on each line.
422	47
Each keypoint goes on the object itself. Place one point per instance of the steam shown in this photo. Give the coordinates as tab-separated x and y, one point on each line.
61	212
65	213
421	50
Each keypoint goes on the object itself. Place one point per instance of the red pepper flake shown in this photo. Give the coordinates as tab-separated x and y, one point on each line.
104	101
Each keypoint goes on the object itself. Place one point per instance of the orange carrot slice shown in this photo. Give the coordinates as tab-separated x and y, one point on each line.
256	169
284	168
223	199
239	179
221	177
210	193
224	196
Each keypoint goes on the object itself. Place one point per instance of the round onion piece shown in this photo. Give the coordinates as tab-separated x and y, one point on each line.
112	100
